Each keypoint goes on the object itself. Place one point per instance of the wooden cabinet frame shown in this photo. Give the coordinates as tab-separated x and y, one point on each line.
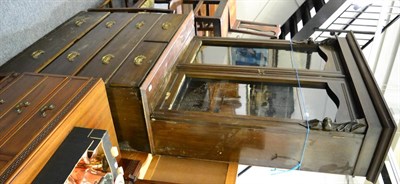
275	142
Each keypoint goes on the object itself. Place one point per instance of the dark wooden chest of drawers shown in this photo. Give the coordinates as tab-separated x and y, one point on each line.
38	111
120	48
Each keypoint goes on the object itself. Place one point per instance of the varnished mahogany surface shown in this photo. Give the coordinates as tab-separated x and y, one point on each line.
362	128
28	143
121	47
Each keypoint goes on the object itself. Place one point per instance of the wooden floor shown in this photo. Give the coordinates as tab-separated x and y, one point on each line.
165	169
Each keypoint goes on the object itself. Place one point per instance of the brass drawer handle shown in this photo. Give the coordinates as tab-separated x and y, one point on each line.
21	105
166	25
110	24
139	59
139	25
46	108
71	56
107	59
37	53
2	101
79	22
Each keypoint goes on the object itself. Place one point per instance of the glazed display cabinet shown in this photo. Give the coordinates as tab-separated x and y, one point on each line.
251	101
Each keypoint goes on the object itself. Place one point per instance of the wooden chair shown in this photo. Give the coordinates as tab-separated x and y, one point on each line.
211	17
250	27
218	17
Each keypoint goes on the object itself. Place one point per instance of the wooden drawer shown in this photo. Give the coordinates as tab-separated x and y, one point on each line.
109	59
72	60
165	28
11	96
46	49
138	64
27	106
56	104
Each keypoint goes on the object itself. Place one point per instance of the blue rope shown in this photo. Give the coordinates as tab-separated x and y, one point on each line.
302	101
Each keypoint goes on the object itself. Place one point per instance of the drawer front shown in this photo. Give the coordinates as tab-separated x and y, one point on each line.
14	92
71	61
138	64
45	50
165	28
26	106
18	141
107	61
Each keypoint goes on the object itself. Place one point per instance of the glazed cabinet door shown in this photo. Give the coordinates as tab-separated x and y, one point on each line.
268	103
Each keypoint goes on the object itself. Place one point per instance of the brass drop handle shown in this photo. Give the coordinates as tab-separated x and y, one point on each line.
79	22
110	24
37	53
139	25
166	25
71	56
46	108
21	105
107	59
2	101
139	59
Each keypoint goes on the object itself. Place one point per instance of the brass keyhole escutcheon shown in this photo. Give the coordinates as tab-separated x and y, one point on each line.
139	59
2	101
46	108
37	53
79	22
71	56
107	59
166	25
139	25
110	24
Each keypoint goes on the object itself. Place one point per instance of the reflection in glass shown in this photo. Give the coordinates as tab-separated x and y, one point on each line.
253	98
263	57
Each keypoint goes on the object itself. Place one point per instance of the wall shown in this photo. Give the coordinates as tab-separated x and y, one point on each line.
22	22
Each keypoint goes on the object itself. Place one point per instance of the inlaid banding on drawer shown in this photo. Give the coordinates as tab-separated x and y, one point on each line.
60	98
25	107
11	95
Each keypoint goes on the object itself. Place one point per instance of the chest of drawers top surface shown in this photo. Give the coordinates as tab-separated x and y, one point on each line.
97	44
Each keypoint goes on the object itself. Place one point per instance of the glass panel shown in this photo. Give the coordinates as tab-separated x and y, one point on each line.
254	99
264	57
